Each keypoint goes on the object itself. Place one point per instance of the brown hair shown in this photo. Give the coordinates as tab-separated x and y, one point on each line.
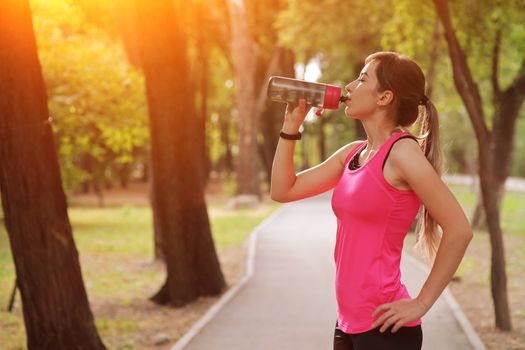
406	80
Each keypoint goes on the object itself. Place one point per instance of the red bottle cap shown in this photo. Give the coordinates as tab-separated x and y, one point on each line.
331	97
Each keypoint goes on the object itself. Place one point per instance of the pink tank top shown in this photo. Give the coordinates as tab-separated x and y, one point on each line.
373	218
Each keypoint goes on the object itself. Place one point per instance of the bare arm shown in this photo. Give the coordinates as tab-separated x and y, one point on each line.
417	171
285	185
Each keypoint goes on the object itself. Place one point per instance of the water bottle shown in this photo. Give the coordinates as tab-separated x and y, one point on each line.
319	95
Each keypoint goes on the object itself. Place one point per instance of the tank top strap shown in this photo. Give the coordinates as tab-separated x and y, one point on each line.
384	151
351	154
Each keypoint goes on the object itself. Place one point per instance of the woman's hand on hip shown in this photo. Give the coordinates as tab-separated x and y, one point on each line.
398	313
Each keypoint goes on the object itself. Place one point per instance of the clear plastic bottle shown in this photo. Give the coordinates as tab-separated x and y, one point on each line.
287	90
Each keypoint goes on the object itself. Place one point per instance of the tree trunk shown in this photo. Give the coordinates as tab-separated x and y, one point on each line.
55	305
498	275
487	144
226	160
479	218
244	61
123	171
203	56
508	104
271	120
179	206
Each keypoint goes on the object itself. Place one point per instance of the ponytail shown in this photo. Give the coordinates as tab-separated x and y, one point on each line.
427	234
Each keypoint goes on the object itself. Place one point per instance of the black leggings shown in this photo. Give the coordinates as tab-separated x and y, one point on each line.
405	338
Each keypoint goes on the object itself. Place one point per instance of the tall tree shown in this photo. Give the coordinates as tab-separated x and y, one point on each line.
55	304
494	145
243	53
179	207
272	59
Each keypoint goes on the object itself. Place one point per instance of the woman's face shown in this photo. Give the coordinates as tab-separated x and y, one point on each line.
362	93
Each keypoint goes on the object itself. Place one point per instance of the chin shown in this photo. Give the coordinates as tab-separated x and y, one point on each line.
350	114
355	115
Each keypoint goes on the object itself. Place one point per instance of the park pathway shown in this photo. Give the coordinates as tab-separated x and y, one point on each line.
288	303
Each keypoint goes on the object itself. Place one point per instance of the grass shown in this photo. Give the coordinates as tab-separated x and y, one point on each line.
513	208
115	247
513	229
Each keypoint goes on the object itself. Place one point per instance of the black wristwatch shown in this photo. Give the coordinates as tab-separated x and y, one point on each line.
290	137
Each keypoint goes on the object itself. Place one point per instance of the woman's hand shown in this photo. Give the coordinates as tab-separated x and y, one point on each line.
399	312
295	115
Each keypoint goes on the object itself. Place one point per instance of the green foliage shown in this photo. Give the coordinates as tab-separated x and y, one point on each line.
477	23
341	34
410	30
96	98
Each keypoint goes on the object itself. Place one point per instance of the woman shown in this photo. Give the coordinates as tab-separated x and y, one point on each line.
380	184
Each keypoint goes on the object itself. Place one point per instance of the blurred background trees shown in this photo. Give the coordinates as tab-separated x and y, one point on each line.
101	123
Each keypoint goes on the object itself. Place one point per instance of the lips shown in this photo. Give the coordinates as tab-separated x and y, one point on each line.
344	99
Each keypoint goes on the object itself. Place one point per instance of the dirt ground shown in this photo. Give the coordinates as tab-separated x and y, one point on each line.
153	321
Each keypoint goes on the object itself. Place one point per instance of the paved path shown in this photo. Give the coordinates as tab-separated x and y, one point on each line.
289	301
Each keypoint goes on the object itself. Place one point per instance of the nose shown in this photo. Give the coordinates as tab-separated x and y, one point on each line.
348	88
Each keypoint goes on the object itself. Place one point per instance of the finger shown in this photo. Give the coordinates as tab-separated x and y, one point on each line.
302	103
382	318
379	308
299	106
384	327
398	325
388	323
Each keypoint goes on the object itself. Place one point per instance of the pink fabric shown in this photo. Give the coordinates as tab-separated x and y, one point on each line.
373	218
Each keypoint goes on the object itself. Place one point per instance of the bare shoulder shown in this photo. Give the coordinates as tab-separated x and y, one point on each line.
406	154
406	145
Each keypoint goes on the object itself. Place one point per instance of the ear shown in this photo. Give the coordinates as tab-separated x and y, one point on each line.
385	98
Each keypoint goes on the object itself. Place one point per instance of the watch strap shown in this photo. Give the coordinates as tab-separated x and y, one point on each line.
290	136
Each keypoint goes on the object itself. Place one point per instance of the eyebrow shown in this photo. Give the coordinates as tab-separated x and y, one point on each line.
364	74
